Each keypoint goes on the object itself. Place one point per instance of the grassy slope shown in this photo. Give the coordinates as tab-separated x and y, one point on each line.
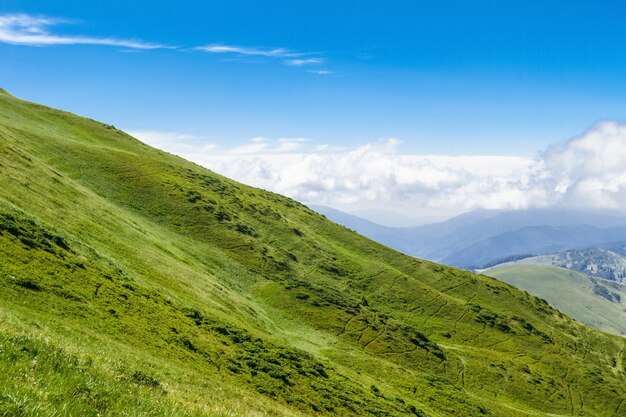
121	263
574	293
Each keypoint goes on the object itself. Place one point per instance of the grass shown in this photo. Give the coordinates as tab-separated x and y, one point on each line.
55	381
594	302
167	288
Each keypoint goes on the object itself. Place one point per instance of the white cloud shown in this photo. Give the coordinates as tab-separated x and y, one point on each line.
304	61
297	59
238	50
23	29
586	172
589	170
28	30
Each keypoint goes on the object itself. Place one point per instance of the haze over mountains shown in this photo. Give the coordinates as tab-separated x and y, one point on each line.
484	238
391	218
135	282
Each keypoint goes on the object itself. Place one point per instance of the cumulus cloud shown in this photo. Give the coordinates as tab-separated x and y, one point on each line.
588	171
23	29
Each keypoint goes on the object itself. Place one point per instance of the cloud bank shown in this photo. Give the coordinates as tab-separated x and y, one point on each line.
586	172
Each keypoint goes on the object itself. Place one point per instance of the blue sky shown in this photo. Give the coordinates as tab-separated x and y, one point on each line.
453	77
238	83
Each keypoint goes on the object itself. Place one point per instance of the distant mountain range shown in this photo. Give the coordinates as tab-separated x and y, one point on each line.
484	238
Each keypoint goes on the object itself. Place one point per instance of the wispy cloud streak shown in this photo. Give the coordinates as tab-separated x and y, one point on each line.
23	29
28	30
306	61
288	57
238	50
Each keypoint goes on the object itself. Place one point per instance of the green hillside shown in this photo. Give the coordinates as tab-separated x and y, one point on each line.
595	302
133	282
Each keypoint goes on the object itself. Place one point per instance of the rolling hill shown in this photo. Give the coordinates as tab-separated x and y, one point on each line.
595	302
595	262
133	282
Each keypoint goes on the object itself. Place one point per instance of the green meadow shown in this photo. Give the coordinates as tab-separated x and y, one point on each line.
595	302
135	283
